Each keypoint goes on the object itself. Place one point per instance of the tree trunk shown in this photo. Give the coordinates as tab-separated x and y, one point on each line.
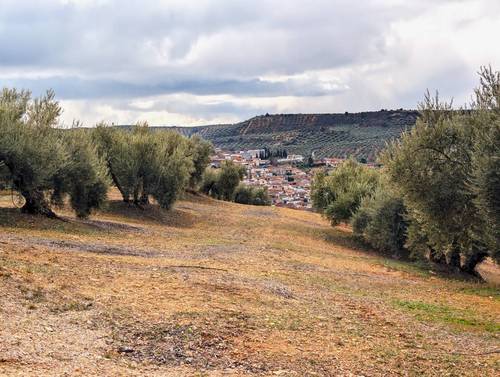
144	200
36	204
436	257
114	178
454	257
472	261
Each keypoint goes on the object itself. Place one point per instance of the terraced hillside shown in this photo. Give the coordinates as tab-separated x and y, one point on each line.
327	135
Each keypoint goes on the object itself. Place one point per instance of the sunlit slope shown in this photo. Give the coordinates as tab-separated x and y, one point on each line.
218	288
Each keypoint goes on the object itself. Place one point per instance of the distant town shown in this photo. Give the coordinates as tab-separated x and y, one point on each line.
288	177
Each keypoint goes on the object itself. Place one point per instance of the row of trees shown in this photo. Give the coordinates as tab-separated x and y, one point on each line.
46	165
437	195
225	184
143	163
267	153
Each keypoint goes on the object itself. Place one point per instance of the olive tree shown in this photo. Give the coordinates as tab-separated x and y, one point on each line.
258	196
144	164
222	183
42	164
446	171
382	222
84	178
201	150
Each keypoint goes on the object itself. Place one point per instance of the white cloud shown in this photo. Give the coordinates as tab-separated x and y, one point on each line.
210	61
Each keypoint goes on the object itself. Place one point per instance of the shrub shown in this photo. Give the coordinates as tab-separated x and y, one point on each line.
262	197
244	194
381	221
338	194
252	195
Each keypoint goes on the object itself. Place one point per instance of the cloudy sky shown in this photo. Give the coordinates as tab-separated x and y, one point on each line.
213	61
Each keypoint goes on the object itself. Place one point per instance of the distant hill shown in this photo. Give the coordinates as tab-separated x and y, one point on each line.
329	135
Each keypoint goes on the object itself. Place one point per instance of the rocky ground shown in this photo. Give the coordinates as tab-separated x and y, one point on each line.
221	289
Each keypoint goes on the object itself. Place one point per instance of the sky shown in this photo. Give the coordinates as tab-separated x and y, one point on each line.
200	62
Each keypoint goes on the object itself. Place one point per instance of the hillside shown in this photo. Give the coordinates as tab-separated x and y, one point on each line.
220	289
328	135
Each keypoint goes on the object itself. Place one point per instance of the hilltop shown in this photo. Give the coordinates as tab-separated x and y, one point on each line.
327	135
217	288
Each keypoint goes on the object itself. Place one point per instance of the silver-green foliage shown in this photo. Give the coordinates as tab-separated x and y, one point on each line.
200	150
222	183
338	195
40	163
144	164
258	196
446	171
381	221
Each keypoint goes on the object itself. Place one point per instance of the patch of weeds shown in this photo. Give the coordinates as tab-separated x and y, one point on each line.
344	239
36	295
493	292
416	268
459	318
71	306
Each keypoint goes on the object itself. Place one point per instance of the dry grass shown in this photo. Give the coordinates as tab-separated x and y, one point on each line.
215	288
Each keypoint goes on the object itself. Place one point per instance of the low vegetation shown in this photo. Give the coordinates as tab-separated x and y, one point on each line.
225	184
257	196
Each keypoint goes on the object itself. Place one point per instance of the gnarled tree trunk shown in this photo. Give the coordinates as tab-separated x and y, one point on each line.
36	204
454	257
472	261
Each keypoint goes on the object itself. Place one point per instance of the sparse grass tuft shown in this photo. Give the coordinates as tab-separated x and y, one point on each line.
415	268
462	319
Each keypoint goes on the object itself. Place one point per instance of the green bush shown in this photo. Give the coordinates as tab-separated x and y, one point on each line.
252	195
381	222
337	195
222	183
